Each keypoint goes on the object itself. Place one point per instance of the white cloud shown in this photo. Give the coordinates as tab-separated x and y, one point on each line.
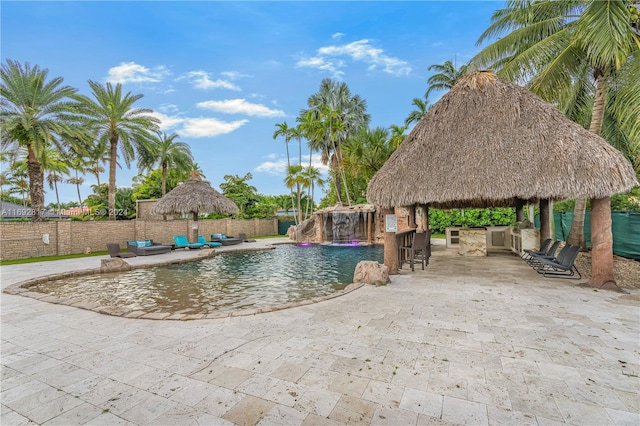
167	122
240	106
234	75
202	80
208	127
327	58
168	108
278	166
130	72
337	36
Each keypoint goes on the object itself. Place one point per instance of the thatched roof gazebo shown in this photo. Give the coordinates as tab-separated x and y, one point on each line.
490	143
194	196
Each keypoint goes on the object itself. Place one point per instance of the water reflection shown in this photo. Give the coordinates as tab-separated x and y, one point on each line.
229	281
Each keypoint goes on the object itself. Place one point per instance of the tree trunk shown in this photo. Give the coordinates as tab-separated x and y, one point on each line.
78	189
164	178
544	221
36	185
113	153
299	202
601	245
55	186
576	234
519	210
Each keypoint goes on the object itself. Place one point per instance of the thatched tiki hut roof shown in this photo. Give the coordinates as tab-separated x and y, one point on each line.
488	142
194	196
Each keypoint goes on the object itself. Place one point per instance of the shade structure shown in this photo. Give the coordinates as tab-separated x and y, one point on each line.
487	142
194	196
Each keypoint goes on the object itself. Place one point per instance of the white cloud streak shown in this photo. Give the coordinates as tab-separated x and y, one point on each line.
131	72
202	127
278	166
202	80
328	59
241	106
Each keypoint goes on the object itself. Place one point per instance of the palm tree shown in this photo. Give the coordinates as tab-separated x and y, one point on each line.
283	129
52	162
115	121
98	154
397	135
168	153
446	77
295	177
79	165
422	106
313	178
34	112
340	115
550	45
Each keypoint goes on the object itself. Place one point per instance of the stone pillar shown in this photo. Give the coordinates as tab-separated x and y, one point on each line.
545	231
390	245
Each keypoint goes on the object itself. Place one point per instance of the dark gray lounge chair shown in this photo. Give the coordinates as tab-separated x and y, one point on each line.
531	255
563	266
225	240
147	247
114	251
544	248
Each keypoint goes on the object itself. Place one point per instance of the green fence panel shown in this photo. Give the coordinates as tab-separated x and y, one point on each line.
626	234
625	227
283	226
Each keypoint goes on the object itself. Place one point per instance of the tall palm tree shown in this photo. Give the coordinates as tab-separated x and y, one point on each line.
422	106
446	77
550	45
116	122
79	165
283	129
34	112
341	114
166	152
98	153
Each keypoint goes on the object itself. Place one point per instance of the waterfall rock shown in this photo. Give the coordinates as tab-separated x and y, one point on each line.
371	272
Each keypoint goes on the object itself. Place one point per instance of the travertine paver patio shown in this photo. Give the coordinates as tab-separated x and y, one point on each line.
467	341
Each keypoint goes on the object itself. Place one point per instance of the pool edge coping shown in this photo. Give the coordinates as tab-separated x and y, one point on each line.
22	289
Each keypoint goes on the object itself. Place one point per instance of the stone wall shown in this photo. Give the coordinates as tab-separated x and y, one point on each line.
19	240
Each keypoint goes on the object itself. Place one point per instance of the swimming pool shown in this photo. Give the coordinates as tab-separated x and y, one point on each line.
228	281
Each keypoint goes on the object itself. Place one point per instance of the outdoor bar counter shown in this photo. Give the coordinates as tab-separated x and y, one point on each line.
473	242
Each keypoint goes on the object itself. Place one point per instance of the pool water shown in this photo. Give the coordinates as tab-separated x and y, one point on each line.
229	281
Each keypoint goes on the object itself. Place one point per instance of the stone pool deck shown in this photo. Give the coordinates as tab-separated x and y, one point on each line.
467	341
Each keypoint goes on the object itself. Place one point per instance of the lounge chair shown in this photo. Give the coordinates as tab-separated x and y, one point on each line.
225	240
147	247
563	267
201	240
243	237
535	259
544	248
182	242
530	256
114	251
418	252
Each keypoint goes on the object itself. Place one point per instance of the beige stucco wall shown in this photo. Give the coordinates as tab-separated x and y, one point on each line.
19	240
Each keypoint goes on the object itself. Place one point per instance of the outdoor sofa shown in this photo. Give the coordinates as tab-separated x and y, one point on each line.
147	247
225	240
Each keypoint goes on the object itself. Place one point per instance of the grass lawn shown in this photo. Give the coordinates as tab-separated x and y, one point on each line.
48	258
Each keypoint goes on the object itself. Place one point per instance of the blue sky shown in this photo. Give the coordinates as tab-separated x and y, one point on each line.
223	74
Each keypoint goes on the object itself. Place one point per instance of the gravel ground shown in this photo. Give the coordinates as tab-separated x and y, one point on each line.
626	271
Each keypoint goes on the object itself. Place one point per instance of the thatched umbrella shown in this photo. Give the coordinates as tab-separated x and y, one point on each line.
487	143
195	196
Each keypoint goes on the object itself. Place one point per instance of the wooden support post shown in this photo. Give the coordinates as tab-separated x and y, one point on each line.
519	210
369	227
411	220
390	245
545	231
194	225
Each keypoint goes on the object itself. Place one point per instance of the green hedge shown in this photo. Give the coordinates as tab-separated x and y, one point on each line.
441	219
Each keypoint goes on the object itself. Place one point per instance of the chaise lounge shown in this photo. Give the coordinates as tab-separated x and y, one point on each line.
225	240
147	247
183	242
